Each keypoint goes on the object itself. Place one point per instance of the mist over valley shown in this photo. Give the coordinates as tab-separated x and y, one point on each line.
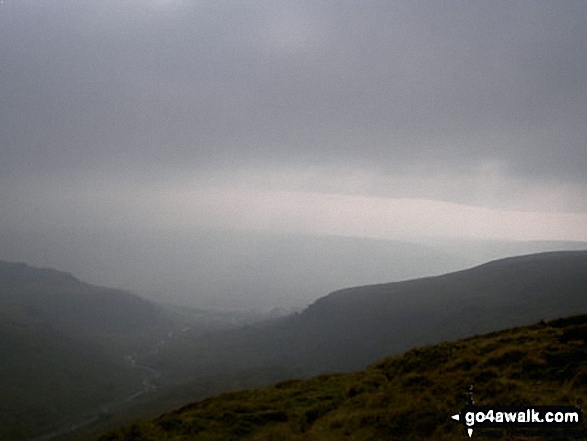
204	196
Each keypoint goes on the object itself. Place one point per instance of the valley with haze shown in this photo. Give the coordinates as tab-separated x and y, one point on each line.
305	220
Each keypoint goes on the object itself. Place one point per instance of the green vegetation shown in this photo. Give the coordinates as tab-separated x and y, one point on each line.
76	359
405	397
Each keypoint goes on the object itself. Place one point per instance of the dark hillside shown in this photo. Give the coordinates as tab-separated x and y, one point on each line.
48	380
351	328
61	348
406	397
397	316
65	303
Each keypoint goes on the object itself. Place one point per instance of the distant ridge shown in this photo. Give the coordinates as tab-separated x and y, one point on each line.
577	260
350	328
63	302
575	257
396	316
20	272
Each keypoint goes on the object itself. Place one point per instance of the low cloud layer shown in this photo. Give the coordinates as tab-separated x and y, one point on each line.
456	119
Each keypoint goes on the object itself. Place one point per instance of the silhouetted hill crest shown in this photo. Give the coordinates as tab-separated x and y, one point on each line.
70	305
350	328
21	273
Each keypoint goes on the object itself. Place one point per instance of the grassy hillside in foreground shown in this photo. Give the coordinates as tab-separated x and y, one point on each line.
405	397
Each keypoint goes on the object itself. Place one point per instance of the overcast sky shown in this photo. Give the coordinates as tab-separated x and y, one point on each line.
383	119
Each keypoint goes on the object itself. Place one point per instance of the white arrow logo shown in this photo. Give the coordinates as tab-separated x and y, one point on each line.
457	417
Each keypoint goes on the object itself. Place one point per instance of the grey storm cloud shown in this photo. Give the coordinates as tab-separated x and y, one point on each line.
137	85
207	149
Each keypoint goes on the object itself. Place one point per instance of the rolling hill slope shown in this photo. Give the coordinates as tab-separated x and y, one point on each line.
61	347
351	328
407	397
64	303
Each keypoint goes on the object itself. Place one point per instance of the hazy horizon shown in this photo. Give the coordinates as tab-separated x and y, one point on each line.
195	148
